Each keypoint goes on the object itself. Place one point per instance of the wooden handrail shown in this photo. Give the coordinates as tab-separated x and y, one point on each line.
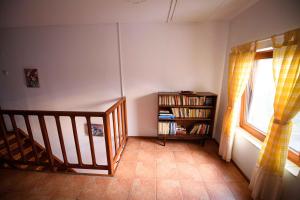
53	113
113	107
117	111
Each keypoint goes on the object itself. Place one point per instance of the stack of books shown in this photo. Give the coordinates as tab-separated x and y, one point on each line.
200	129
165	114
180	130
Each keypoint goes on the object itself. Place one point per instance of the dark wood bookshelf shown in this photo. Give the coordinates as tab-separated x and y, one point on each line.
188	122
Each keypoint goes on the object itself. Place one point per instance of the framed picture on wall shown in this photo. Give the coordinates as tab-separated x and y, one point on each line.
32	78
97	129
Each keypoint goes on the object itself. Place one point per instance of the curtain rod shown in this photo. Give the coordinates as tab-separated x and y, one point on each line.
268	38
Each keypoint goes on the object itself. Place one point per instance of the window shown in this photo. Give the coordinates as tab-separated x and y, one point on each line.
257	104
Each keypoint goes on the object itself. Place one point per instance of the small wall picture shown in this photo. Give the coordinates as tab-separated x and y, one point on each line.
32	79
97	129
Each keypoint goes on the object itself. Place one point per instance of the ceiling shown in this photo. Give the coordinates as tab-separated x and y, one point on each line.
16	13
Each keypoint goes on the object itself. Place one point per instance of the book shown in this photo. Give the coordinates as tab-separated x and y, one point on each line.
200	129
166	117
209	101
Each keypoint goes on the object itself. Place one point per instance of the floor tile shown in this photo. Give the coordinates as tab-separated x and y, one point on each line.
201	157
177	146
95	189
118	189
148	145
126	169
183	156
166	170
193	190
145	170
129	155
218	191
133	144
240	190
187	171
168	189
147	156
73	185
165	156
210	173
231	173
143	189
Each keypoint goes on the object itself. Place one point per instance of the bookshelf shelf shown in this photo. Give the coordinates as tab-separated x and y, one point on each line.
188	116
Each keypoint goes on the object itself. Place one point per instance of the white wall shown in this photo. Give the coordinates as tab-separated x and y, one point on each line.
168	57
264	19
78	67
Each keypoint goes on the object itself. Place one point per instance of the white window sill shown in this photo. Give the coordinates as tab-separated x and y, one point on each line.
289	166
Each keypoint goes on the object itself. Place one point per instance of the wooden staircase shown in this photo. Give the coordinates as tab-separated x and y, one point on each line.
31	152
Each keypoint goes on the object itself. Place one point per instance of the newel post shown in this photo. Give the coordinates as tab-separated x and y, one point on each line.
109	156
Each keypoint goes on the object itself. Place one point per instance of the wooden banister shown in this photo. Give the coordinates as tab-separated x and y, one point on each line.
76	140
119	125
25	139
109	156
61	140
16	132
46	140
28	127
92	148
115	130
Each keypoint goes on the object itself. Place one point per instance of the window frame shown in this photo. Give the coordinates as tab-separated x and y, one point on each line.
292	155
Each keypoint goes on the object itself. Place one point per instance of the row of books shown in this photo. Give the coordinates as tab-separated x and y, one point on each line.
167	128
173	128
169	100
187	112
193	101
200	129
185	100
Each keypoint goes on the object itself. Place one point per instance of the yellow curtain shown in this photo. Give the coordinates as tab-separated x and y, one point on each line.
267	178
240	64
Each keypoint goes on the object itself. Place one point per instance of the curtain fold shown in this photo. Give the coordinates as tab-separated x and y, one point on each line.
241	61
266	180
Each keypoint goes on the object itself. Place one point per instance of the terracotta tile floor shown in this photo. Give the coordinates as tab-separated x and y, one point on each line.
147	170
